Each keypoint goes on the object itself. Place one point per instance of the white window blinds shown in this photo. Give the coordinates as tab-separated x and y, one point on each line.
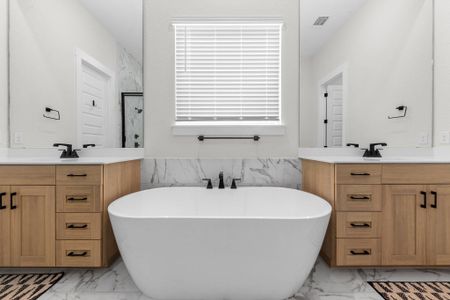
228	72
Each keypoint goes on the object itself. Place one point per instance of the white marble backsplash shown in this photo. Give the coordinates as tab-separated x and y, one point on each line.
285	172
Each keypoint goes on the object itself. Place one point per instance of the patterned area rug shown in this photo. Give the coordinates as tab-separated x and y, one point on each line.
412	290
26	286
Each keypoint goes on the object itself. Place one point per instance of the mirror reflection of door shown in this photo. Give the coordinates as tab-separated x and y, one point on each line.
333	96
132	120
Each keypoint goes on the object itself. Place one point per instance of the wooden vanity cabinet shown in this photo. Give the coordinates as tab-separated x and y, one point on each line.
57	215
384	214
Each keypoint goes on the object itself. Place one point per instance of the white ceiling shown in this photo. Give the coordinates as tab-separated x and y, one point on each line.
312	38
123	19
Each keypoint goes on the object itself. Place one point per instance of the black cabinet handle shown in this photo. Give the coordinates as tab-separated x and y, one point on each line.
424	204
359	197
76	175
11	200
360	225
360	174
77	199
362	252
74	254
75	226
1	201
434	205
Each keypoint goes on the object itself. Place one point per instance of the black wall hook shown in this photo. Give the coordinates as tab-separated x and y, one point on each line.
403	108
49	110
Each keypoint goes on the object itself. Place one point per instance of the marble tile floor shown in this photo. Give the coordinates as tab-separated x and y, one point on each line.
114	283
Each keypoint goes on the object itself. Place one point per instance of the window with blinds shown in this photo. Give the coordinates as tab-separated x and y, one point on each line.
228	72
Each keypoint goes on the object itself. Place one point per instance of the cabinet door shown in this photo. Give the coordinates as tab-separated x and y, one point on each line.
5	228
438	226
33	226
404	225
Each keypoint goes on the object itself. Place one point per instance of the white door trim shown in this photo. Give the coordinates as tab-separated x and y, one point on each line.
80	58
342	69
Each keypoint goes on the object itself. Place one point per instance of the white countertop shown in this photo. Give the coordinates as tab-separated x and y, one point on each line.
51	157
58	161
390	156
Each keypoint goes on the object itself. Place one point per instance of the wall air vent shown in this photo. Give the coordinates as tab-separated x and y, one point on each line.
320	21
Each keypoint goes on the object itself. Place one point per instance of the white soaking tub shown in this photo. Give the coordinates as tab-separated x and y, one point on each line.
252	243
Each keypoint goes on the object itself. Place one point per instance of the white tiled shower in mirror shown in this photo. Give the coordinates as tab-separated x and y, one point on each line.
75	58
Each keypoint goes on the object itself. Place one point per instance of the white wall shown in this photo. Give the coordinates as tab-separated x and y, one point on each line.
442	70
308	108
3	73
44	36
387	49
159	78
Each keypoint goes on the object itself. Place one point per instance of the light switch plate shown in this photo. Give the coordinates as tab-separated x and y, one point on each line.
444	137
18	138
423	139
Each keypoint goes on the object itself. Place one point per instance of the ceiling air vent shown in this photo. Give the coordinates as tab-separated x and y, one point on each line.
321	21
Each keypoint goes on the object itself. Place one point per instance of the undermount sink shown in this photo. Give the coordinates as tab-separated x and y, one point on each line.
386	159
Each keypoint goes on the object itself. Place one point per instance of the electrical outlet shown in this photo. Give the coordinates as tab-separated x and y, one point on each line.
18	138
444	137
423	139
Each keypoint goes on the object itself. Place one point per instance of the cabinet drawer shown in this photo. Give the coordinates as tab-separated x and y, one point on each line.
358	252
416	173
78	253
27	175
78	226
358	225
358	174
79	175
78	199
359	198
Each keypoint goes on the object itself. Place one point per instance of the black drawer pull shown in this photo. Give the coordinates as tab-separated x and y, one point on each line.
11	200
360	198
77	226
77	199
75	254
1	201
359	174
424	204
434	205
360	252
76	175
360	225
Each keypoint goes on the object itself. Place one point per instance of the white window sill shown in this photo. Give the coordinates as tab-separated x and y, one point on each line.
228	128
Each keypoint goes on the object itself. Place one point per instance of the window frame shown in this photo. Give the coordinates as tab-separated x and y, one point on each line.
231	127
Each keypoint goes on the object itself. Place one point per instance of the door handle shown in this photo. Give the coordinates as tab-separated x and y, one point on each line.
424	204
1	201
359	174
76	175
11	200
435	194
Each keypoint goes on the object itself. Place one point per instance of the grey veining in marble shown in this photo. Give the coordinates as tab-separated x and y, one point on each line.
190	172
130	72
115	283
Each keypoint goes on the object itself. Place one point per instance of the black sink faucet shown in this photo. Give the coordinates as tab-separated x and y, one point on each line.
221	184
69	152
372	151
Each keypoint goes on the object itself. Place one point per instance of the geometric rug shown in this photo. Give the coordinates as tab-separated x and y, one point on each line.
26	286
390	290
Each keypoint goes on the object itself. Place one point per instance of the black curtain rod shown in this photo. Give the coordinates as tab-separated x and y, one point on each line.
255	138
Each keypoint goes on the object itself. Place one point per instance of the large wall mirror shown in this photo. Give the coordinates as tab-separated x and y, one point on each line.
366	72
72	65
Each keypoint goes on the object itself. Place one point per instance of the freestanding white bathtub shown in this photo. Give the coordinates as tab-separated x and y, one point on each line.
252	243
